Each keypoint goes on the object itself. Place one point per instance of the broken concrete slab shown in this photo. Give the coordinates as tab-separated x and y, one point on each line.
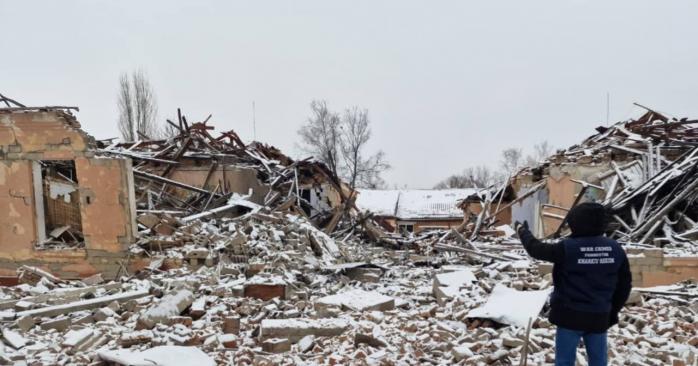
357	300
170	305
25	323
447	285
13	338
76	337
161	356
509	306
295	329
78	305
306	343
60	324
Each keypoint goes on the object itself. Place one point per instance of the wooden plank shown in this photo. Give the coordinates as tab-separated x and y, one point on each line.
175	183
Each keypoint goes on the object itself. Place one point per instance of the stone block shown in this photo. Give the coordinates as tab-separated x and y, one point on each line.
306	343
170	305
231	324
357	300
60	324
295	329
25	323
276	345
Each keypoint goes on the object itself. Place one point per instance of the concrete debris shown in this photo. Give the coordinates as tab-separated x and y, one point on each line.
158	356
169	306
246	256
357	300
643	170
499	306
203	310
295	329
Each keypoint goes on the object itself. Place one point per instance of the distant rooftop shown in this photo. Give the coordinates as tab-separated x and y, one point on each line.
413	204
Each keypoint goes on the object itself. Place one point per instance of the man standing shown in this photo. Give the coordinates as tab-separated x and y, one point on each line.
592	281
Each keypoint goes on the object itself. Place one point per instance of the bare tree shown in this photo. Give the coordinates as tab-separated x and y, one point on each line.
137	107
320	135
341	142
540	151
512	160
360	170
474	177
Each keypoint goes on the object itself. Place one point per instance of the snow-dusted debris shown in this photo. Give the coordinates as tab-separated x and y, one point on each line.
194	311
159	356
357	300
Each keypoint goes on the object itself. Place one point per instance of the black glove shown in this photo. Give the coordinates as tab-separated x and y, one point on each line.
518	226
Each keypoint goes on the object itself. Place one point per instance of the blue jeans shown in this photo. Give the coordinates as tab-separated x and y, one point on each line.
567	340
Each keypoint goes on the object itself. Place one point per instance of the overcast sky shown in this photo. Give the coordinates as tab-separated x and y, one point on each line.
448	84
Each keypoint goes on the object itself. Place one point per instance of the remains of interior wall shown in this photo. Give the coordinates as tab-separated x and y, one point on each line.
475	208
235	178
323	197
104	192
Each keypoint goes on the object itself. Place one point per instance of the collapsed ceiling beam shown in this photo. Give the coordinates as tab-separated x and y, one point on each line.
175	183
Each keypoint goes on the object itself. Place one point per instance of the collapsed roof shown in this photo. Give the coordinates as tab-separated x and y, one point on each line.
644	170
193	172
413	204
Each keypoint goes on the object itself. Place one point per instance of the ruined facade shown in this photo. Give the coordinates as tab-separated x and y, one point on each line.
67	211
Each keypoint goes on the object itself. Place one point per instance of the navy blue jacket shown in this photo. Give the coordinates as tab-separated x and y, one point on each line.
591	276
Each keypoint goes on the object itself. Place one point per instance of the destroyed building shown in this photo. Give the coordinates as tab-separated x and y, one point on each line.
643	170
413	210
57	193
241	255
60	184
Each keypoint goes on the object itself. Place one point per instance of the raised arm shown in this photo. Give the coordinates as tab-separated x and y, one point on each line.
537	249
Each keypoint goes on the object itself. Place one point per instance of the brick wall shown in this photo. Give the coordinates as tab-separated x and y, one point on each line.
650	267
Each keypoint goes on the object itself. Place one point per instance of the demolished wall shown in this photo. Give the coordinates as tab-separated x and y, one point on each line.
30	139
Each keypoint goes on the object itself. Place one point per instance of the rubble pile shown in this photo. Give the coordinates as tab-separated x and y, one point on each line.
294	299
644	170
194	174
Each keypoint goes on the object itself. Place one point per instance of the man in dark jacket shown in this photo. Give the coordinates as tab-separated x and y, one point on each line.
592	281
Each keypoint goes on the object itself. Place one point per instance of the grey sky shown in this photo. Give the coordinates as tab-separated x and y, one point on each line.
448	84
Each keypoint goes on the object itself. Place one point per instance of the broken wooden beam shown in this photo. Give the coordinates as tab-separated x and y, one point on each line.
157	178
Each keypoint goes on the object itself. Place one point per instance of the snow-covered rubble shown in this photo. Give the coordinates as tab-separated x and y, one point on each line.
270	289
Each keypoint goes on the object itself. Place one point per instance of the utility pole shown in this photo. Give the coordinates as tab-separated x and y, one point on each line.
608	107
254	122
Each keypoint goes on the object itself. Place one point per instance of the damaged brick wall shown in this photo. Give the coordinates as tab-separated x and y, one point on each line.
560	191
650	267
105	190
